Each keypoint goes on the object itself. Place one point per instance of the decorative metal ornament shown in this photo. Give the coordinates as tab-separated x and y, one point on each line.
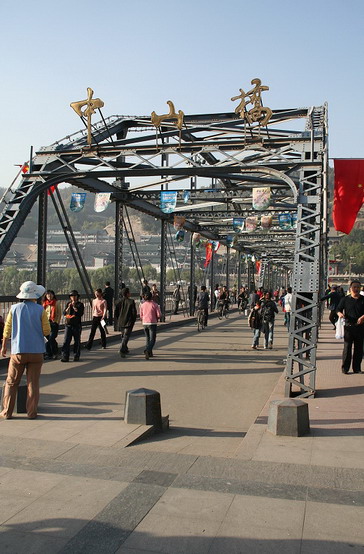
91	104
179	117
258	113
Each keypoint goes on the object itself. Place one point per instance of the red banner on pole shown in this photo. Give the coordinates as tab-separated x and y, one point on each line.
348	194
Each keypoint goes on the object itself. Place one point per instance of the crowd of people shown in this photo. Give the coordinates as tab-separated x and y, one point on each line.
33	325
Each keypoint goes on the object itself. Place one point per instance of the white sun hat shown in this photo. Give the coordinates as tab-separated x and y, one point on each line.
30	291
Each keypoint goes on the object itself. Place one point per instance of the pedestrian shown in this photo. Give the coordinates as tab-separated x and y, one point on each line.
108	294
99	311
155	294
73	313
125	317
26	324
54	312
144	290
269	309
351	307
176	298
333	300
253	297
216	296
149	315
242	300
1	327
287	307
255	323
203	302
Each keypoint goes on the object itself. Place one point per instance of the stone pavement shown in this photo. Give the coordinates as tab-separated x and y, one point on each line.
216	482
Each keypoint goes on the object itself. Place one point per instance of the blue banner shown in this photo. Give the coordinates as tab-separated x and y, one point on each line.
168	201
77	201
238	224
186	196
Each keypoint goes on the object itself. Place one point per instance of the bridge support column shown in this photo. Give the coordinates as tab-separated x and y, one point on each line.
163	266
42	238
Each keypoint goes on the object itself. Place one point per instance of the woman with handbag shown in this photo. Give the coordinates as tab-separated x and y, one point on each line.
53	310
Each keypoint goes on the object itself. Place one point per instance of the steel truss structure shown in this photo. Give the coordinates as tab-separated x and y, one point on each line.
220	159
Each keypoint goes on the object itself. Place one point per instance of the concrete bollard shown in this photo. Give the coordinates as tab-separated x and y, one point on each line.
288	417
143	406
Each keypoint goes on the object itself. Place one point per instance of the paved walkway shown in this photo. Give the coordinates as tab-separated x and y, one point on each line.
217	482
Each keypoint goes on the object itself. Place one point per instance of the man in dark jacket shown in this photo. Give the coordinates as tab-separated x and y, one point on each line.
108	294
333	297
352	308
269	310
203	302
125	316
73	314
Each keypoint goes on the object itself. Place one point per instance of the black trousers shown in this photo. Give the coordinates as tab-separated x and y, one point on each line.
333	317
96	323
353	335
69	333
125	336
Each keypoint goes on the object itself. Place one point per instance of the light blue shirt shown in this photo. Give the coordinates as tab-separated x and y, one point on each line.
27	333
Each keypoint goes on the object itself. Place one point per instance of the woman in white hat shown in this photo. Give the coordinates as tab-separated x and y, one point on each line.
26	324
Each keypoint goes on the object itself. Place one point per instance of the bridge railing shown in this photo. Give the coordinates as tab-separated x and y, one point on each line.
7	301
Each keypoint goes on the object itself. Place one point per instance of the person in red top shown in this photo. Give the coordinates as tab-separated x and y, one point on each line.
99	310
149	315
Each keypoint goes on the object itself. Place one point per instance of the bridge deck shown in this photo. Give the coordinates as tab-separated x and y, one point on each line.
216	482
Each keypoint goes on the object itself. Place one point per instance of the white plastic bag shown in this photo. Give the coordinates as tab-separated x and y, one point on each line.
339	328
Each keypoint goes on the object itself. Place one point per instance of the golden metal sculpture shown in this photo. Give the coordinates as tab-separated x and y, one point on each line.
258	113
157	119
92	104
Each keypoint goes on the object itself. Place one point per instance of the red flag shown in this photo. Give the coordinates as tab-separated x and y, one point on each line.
208	254
349	193
25	167
52	189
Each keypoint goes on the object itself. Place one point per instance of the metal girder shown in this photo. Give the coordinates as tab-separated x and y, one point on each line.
211	148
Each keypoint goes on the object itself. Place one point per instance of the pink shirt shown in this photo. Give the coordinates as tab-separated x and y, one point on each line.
149	312
98	307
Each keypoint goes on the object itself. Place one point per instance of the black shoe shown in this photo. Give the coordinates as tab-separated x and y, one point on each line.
151	355
358	371
147	355
64	359
88	347
345	372
76	358
122	354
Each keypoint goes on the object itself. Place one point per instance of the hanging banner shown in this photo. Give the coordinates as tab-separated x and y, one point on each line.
179	221
186	196
266	221
251	224
294	221
180	235
196	240
258	267
261	198
168	201
229	240
238	224
208	247
77	201
285	221
102	200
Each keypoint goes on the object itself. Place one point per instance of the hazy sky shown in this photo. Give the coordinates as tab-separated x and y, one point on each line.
137	54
